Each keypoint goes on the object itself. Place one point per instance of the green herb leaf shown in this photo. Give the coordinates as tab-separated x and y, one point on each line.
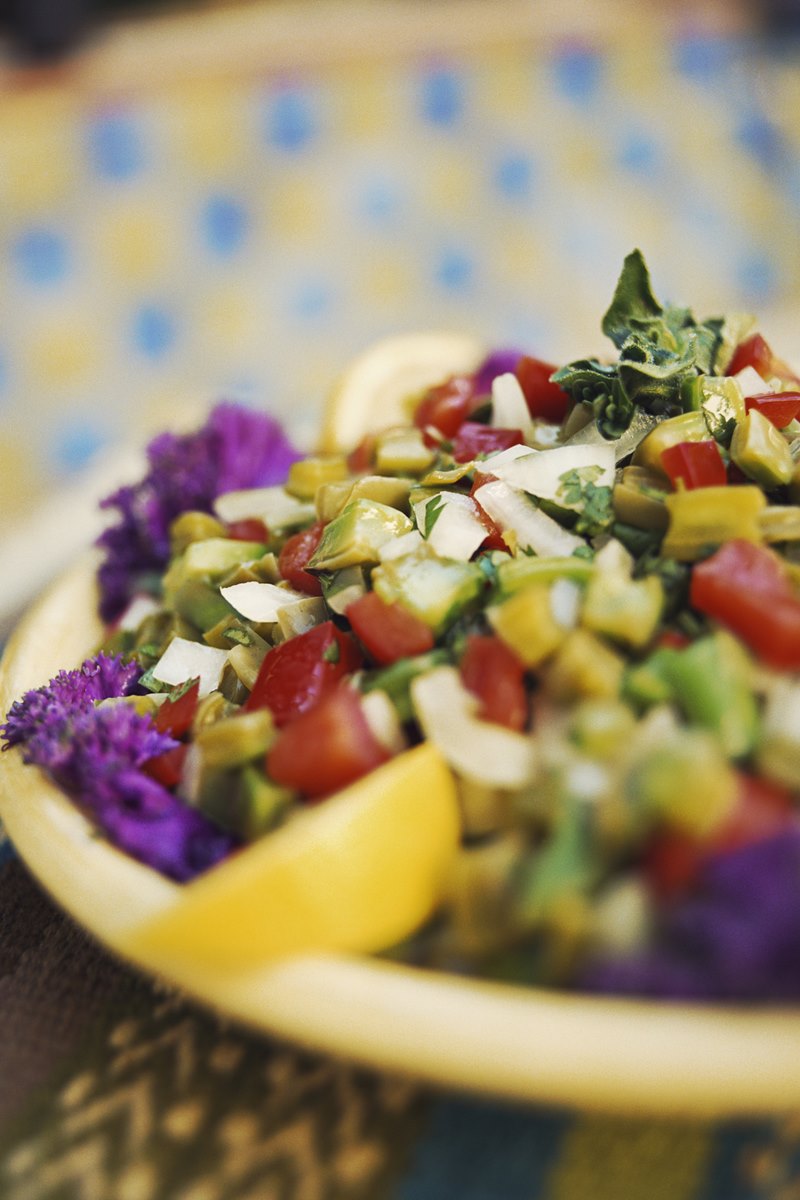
433	510
331	652
578	490
659	347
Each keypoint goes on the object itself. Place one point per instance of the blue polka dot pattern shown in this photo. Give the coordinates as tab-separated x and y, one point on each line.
74	445
514	176
291	122
379	200
454	269
154	331
41	256
703	58
311	299
757	276
442	96
763	140
224	224
638	153
578	73
116	146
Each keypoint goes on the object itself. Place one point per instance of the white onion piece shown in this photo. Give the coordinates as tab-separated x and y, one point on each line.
480	750
260	601
183	660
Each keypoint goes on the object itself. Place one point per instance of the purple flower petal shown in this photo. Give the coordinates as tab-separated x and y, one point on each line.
98	678
236	448
153	826
735	937
96	752
499	362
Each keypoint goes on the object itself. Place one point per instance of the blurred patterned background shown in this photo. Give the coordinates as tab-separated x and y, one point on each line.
231	201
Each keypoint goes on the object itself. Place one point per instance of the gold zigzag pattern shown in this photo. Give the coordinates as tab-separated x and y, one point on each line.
177	1108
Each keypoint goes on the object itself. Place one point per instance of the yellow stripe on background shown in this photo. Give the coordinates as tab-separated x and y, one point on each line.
606	1158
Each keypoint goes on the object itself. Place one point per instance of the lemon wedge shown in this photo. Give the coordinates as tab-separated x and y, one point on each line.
358	872
374	391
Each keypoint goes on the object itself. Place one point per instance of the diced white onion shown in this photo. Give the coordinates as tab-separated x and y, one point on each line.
751	383
502	458
512	511
398	547
565	602
480	750
141	606
509	407
383	720
260	601
273	505
540	472
457	532
183	660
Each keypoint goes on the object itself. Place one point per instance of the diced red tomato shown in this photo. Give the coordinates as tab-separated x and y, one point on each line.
696	464
756	352
388	631
545	400
473	439
736	475
362	458
496	676
753	352
673	860
175	716
249	529
778	407
167	768
744	586
297	673
294	557
494	539
479	480
673	639
763	808
446	406
326	748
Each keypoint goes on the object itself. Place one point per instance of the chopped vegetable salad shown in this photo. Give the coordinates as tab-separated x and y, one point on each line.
581	584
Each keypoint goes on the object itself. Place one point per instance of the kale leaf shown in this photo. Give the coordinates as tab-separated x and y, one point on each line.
659	347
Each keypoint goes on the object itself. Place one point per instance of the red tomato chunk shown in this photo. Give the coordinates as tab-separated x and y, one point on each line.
297	673
546	400
745	587
167	768
294	558
473	439
175	716
388	631
778	407
695	464
446	407
249	529
326	748
753	352
496	676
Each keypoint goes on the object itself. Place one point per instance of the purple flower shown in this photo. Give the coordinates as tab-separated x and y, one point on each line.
236	448
98	678
155	827
96	752
736	936
499	362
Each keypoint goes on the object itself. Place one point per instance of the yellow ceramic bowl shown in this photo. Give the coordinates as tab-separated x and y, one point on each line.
618	1055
